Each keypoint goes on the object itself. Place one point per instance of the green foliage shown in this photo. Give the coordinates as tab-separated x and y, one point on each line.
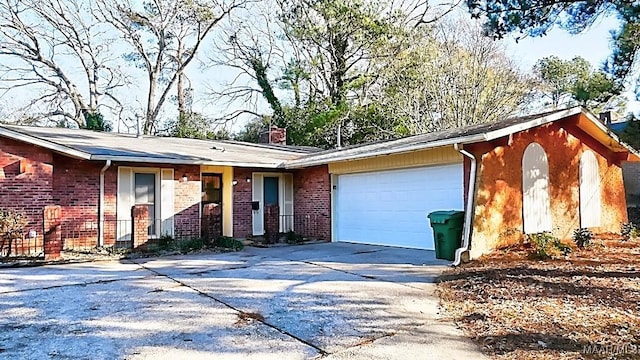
537	17
229	243
570	82
165	242
253	128
449	76
293	238
629	230
546	246
194	125
191	244
95	121
582	237
631	134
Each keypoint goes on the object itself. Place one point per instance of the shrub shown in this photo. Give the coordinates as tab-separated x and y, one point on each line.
293	238
165	242
629	230
546	246
229	243
191	244
12	226
582	237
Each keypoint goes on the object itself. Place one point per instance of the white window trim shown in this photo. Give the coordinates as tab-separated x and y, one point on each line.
281	194
158	184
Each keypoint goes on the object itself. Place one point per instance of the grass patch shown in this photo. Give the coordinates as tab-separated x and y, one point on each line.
585	305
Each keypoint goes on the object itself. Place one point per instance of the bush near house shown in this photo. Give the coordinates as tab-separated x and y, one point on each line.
582	237
12	225
585	305
168	243
545	246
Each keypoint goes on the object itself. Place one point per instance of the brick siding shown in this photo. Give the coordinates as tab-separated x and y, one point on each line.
312	196
242	221
26	181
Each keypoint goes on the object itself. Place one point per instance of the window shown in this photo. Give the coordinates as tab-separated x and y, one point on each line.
211	189
145	194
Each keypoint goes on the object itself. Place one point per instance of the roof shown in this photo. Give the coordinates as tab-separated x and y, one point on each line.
94	145
618	127
467	134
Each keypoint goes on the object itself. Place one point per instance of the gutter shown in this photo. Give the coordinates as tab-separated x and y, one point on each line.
468	216
101	204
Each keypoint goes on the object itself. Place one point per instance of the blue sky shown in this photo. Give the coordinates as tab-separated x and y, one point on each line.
592	44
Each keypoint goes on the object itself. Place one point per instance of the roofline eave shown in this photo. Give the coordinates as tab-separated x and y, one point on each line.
62	149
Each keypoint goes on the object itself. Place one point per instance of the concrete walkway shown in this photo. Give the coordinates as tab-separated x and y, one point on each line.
330	301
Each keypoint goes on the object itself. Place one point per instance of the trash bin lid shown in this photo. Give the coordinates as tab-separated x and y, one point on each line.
442	216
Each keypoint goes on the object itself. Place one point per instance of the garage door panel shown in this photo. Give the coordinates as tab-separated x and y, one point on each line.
390	207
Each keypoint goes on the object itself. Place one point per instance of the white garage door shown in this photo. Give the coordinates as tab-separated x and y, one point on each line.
391	207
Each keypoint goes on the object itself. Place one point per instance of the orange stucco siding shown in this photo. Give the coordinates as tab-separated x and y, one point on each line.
498	219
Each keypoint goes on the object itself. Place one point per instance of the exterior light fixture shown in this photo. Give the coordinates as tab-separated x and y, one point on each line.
234	182
248	179
185	178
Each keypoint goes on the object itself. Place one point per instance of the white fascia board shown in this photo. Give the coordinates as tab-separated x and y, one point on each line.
296	164
71	152
496	134
142	159
611	134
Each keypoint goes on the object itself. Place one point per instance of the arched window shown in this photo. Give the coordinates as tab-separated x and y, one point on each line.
536	209
590	204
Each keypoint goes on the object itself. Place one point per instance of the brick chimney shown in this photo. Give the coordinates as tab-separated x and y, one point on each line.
274	135
605	117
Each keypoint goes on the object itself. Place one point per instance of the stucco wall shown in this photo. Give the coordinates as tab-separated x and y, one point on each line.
498	216
631	174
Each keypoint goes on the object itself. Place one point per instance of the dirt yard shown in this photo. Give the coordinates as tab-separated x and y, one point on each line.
584	305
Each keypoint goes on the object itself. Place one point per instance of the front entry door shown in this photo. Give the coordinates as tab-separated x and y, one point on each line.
270	190
211	222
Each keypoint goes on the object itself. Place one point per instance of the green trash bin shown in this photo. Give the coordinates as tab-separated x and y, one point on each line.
447	232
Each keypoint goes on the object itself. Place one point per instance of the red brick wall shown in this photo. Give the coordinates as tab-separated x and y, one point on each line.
187	201
498	214
76	188
26	181
312	196
242	223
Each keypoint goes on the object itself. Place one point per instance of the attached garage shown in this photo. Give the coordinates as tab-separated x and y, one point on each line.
390	207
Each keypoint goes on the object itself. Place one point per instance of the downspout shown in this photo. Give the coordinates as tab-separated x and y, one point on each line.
101	204
468	216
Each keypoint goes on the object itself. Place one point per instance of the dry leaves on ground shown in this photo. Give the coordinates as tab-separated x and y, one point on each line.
585	305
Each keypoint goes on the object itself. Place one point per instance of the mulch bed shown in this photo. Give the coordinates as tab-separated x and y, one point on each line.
584	305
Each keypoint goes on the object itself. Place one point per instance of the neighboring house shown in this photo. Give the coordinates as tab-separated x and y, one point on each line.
630	171
555	172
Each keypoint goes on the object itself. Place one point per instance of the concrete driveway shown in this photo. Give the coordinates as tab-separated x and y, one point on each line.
332	301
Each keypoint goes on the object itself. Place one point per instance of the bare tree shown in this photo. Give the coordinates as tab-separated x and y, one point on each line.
59	53
255	50
165	37
452	77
